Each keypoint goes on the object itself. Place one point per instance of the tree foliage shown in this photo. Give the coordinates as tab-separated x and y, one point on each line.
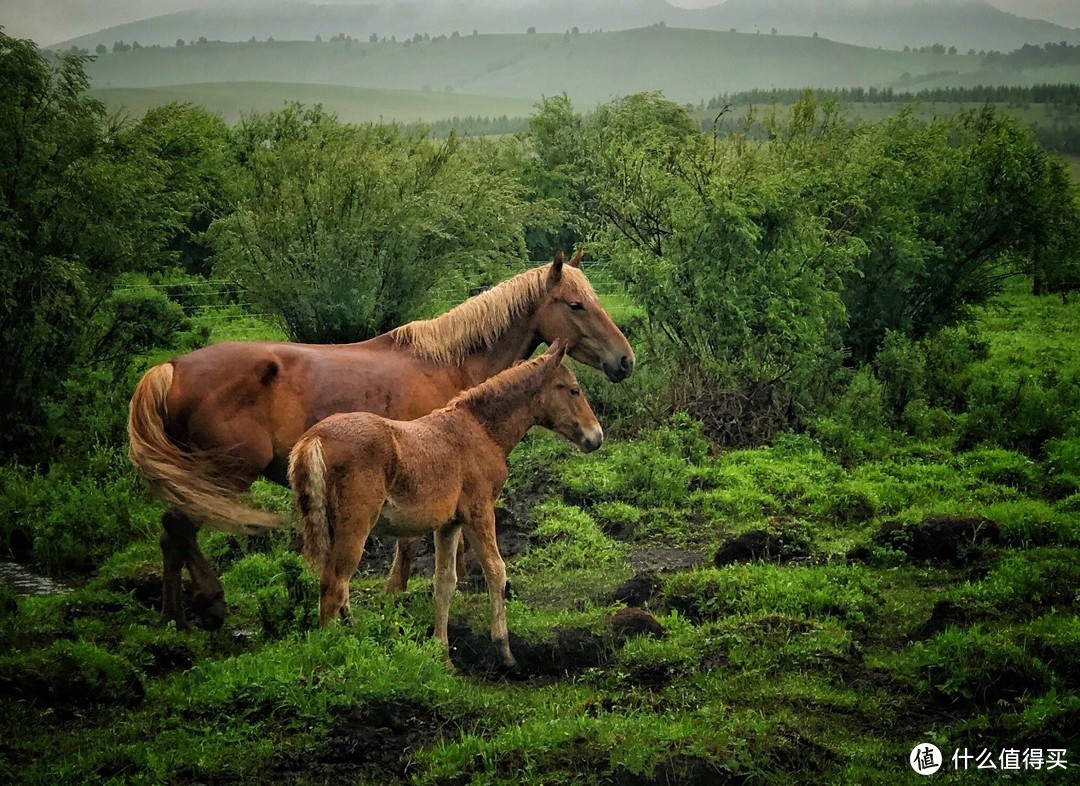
77	209
346	231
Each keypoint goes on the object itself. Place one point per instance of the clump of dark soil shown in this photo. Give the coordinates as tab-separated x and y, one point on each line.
144	585
941	539
636	591
777	544
629	623
570	652
944	614
369	743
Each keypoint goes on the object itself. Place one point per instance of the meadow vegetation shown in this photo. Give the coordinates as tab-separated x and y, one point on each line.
838	513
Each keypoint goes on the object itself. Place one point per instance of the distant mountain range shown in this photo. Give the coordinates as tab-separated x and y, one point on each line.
965	24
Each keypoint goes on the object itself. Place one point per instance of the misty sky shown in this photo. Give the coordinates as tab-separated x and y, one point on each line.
50	21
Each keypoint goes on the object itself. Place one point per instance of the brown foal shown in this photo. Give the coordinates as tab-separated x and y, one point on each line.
440	473
203	426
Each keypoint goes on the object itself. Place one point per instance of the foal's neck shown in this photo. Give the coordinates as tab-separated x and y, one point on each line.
505	414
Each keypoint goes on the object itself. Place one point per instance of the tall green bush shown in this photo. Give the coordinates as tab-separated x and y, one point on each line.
346	232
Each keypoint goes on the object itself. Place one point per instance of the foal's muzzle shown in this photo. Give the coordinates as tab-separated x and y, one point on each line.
591	440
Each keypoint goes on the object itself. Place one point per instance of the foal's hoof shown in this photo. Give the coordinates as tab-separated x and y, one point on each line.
211	611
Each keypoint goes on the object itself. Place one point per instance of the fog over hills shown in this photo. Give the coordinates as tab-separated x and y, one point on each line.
891	24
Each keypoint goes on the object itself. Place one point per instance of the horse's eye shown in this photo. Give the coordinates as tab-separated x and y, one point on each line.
576	306
575	391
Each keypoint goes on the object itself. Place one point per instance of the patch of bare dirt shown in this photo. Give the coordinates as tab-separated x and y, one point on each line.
370	743
571	651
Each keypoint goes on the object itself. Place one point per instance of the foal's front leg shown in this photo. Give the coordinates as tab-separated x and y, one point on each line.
446	541
481	534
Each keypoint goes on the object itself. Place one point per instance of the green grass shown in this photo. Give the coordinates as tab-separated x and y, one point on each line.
824	670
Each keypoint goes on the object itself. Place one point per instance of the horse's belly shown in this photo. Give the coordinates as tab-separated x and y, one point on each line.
401	519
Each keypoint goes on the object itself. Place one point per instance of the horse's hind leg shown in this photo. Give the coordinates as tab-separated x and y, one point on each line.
179	545
481	534
172	557
401	569
446	548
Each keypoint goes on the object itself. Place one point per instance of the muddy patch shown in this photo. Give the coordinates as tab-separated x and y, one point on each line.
571	651
662	559
369	743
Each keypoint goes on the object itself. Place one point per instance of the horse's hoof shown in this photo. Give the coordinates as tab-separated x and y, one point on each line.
211	611
180	622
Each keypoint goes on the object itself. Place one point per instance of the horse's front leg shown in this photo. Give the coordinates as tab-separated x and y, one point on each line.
481	534
446	547
404	554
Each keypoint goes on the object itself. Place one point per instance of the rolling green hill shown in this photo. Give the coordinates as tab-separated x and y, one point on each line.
687	65
352	104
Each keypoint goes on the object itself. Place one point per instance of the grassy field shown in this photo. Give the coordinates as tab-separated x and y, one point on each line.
779	615
230	100
687	65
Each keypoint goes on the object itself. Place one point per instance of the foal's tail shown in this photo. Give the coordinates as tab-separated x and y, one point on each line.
185	479
307	476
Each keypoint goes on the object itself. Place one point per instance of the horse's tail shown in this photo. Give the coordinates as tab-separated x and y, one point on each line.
185	479
307	476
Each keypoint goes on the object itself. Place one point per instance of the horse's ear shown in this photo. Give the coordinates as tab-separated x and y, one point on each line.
575	260
556	268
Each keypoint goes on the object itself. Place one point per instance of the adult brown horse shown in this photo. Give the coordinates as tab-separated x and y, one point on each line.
203	426
440	473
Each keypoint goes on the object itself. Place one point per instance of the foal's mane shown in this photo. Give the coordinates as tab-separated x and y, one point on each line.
481	320
522	379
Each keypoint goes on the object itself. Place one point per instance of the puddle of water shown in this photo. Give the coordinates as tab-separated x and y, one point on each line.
25	582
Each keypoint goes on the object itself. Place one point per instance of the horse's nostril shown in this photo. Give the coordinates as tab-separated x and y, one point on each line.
625	363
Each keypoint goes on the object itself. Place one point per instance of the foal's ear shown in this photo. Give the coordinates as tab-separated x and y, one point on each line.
575	260
557	350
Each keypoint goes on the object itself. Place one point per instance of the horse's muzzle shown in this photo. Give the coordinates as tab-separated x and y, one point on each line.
619	372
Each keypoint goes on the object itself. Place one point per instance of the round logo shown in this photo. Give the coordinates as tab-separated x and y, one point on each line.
925	758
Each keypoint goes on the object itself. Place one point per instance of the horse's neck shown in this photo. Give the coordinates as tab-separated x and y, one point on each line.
518	343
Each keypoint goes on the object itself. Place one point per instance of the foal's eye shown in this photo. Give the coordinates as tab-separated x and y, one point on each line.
575	391
576	306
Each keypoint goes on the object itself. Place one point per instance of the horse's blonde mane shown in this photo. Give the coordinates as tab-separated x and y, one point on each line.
482	319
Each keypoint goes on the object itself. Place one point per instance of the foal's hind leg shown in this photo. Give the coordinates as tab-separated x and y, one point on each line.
355	510
446	547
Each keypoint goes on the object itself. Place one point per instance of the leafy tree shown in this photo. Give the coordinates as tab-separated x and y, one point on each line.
725	246
78	208
346	232
948	211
